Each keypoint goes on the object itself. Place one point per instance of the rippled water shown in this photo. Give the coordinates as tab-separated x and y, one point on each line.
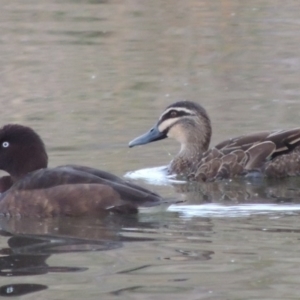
90	76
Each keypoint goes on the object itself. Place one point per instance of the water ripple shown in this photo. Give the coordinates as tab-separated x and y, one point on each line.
217	210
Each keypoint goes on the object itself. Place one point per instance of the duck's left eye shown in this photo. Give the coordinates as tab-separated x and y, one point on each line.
5	144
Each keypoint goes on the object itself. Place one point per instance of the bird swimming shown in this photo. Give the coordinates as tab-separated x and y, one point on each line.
274	153
33	189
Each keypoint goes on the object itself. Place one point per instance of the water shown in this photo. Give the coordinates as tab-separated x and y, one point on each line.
90	76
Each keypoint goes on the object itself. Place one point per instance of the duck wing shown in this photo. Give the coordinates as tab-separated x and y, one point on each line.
107	176
73	175
284	141
272	152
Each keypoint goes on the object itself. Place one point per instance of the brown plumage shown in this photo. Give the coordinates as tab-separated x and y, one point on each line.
32	189
268	153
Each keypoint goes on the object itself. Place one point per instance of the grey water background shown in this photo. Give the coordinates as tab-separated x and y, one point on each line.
89	76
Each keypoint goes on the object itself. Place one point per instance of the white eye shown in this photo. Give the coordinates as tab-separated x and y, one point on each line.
5	144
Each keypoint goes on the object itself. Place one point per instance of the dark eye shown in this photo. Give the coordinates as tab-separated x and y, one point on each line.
5	144
173	114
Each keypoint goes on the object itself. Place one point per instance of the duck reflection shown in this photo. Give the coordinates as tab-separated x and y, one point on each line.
21	289
32	241
241	191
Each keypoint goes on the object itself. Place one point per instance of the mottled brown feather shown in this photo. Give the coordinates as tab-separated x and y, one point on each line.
259	154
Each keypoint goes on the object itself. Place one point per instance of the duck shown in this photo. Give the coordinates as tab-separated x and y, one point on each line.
31	189
265	154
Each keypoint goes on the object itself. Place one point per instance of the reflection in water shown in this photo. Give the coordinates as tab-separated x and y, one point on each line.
31	243
21	289
30	264
237	198
242	191
149	290
64	230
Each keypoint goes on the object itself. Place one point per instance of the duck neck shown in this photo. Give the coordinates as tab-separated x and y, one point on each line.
19	169
194	139
187	159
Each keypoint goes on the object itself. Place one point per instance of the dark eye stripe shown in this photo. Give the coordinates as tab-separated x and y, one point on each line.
175	114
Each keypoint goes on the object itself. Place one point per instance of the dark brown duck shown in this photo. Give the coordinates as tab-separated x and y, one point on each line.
32	189
268	153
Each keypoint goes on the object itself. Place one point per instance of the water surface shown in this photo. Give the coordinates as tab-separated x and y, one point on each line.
90	76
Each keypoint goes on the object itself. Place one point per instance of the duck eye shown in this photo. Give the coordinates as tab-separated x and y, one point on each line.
5	144
173	114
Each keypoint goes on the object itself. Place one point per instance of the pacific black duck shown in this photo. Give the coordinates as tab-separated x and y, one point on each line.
268	153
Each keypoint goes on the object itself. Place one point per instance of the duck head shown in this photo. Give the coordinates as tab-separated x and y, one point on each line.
21	151
185	121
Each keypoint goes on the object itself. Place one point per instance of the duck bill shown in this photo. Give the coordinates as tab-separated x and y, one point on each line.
151	136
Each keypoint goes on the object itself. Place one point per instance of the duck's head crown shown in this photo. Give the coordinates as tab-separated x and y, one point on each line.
21	150
189	107
181	110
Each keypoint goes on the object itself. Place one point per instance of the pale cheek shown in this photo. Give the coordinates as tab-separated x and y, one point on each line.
166	124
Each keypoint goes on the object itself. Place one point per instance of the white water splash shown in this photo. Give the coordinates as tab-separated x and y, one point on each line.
157	176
